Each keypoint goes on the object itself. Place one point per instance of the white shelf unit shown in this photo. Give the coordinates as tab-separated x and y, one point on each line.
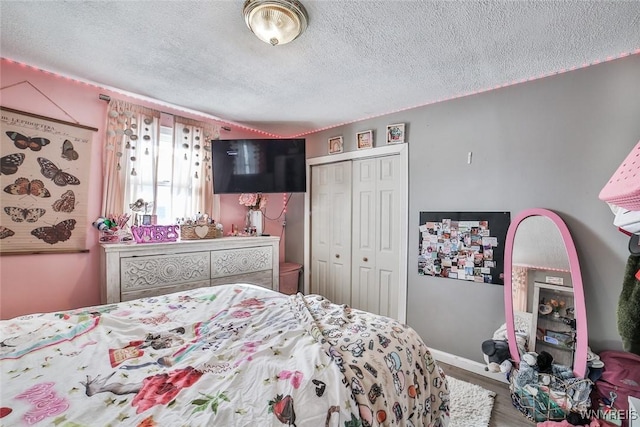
563	355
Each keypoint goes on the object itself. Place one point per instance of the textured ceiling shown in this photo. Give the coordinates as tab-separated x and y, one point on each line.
357	59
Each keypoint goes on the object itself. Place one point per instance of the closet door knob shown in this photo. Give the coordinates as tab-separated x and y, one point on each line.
337	255
365	259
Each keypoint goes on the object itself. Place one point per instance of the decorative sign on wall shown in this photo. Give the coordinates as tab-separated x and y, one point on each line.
44	180
463	245
364	139
395	133
335	145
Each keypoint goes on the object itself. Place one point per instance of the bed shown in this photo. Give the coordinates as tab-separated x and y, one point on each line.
229	355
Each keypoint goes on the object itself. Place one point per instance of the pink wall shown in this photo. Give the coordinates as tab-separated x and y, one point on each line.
34	283
232	212
51	282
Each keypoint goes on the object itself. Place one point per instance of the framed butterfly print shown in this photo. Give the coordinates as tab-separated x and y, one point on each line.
44	172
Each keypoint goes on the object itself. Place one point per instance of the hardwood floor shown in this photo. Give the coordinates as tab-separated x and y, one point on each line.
504	414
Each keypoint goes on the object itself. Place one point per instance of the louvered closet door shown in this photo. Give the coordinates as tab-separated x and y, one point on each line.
331	231
378	202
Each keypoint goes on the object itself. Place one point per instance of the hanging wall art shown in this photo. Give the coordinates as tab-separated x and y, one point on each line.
463	245
364	139
45	183
395	134
335	145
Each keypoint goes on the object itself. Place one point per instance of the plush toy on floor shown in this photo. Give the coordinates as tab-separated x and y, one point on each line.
496	355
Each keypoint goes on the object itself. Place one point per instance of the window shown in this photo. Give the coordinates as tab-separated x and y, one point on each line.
157	192
166	170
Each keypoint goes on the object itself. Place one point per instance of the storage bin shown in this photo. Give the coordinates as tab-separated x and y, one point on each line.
199	232
289	277
547	397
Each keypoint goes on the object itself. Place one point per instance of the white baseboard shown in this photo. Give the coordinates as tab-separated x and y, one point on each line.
469	365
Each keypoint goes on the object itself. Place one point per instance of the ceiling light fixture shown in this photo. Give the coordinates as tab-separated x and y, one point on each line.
275	21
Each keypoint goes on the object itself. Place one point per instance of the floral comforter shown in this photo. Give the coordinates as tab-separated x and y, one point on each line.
232	355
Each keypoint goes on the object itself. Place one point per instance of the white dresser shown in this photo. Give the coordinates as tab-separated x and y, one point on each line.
130	271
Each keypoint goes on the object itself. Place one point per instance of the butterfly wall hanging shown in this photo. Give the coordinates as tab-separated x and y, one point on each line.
5	232
68	151
24	142
59	177
59	232
66	202
9	164
24	214
44	188
25	187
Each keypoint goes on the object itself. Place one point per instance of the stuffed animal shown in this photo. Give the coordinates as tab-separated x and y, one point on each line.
496	355
521	331
544	362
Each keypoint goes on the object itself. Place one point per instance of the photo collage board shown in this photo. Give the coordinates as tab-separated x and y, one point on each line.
463	245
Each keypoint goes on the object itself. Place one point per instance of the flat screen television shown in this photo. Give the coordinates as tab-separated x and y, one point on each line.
258	166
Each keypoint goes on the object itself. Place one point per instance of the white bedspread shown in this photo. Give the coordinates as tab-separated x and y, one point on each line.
232	355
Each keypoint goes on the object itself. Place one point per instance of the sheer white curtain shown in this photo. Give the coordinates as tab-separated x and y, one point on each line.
129	162
192	181
519	288
168	168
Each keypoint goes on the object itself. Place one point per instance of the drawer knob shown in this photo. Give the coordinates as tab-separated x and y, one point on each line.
365	259
337	255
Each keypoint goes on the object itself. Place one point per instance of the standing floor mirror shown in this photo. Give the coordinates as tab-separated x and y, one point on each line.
543	293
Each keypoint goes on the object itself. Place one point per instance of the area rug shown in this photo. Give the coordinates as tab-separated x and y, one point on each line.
470	405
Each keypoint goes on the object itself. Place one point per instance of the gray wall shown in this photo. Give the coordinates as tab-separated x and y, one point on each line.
550	143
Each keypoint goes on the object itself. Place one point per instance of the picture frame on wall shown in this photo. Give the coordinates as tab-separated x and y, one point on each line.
335	145
364	139
395	133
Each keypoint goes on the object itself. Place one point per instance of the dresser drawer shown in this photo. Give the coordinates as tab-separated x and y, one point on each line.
240	261
148	272
130	271
262	278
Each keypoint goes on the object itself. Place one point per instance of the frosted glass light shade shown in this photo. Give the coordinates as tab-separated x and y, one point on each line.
275	21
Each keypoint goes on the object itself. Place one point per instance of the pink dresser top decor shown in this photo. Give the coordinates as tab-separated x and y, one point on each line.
155	233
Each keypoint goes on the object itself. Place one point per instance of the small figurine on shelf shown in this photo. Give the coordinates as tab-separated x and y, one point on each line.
144	217
556	305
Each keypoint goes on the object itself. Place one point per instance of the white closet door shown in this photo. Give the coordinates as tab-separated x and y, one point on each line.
378	202
364	292
331	231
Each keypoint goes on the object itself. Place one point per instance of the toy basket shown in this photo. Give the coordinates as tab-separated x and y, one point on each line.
550	398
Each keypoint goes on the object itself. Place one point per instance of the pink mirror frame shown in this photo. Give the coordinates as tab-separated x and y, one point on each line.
580	356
